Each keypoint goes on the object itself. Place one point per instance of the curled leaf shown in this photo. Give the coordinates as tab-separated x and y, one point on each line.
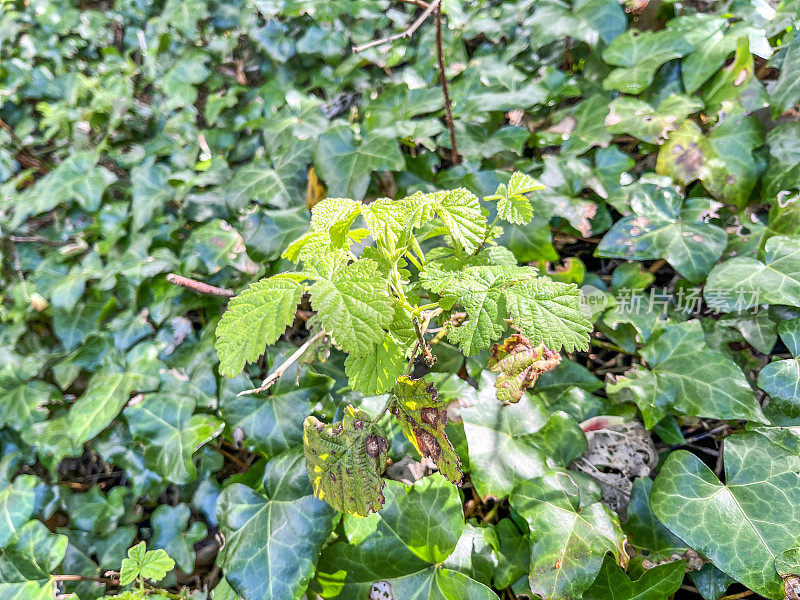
519	365
345	461
423	418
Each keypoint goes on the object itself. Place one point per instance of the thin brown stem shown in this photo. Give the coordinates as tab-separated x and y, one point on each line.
199	287
35	239
276	374
448	109
403	34
738	596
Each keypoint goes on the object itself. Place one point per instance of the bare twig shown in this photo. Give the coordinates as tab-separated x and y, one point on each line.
275	375
403	34
199	287
35	239
448	110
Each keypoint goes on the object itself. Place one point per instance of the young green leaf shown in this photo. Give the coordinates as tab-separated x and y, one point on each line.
423	418
255	318
354	306
461	213
149	564
378	370
549	313
512	205
345	461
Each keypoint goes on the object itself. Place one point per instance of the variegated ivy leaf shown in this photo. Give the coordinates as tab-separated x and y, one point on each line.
519	365
345	461
256	318
423	418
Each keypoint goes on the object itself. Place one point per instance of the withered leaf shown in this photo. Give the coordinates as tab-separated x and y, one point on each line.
345	461
519	365
423	418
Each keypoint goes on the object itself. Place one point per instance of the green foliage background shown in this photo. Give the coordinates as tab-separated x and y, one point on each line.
142	138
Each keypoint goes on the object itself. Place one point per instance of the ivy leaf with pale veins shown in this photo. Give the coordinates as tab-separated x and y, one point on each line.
345	461
743	524
742	282
354	306
665	226
422	418
400	552
549	312
781	380
686	377
658	583
273	539
639	54
519	365
171	433
256	318
652	125
571	531
511	443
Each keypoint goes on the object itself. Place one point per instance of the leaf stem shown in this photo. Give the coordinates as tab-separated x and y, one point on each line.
199	287
275	375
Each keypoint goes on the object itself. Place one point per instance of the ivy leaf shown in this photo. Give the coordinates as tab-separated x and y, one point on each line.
743	282
731	82
510	444
786	92
422	418
571	531
639	54
257	181
512	204
658	583
646	532
549	313
401	550
271	422
743	524
171	433
345	461
150	190
106	394
17	504
347	167
790	335
784	160
781	380
272	540
723	160
378	371
255	318
175	536
22	398
664	226
354	306
686	377
652	125
28	559
519	365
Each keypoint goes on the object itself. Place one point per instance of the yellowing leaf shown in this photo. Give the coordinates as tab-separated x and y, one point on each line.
345	461
423	418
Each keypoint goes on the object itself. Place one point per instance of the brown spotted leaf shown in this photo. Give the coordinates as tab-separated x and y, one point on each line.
423	418
519	365
345	461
